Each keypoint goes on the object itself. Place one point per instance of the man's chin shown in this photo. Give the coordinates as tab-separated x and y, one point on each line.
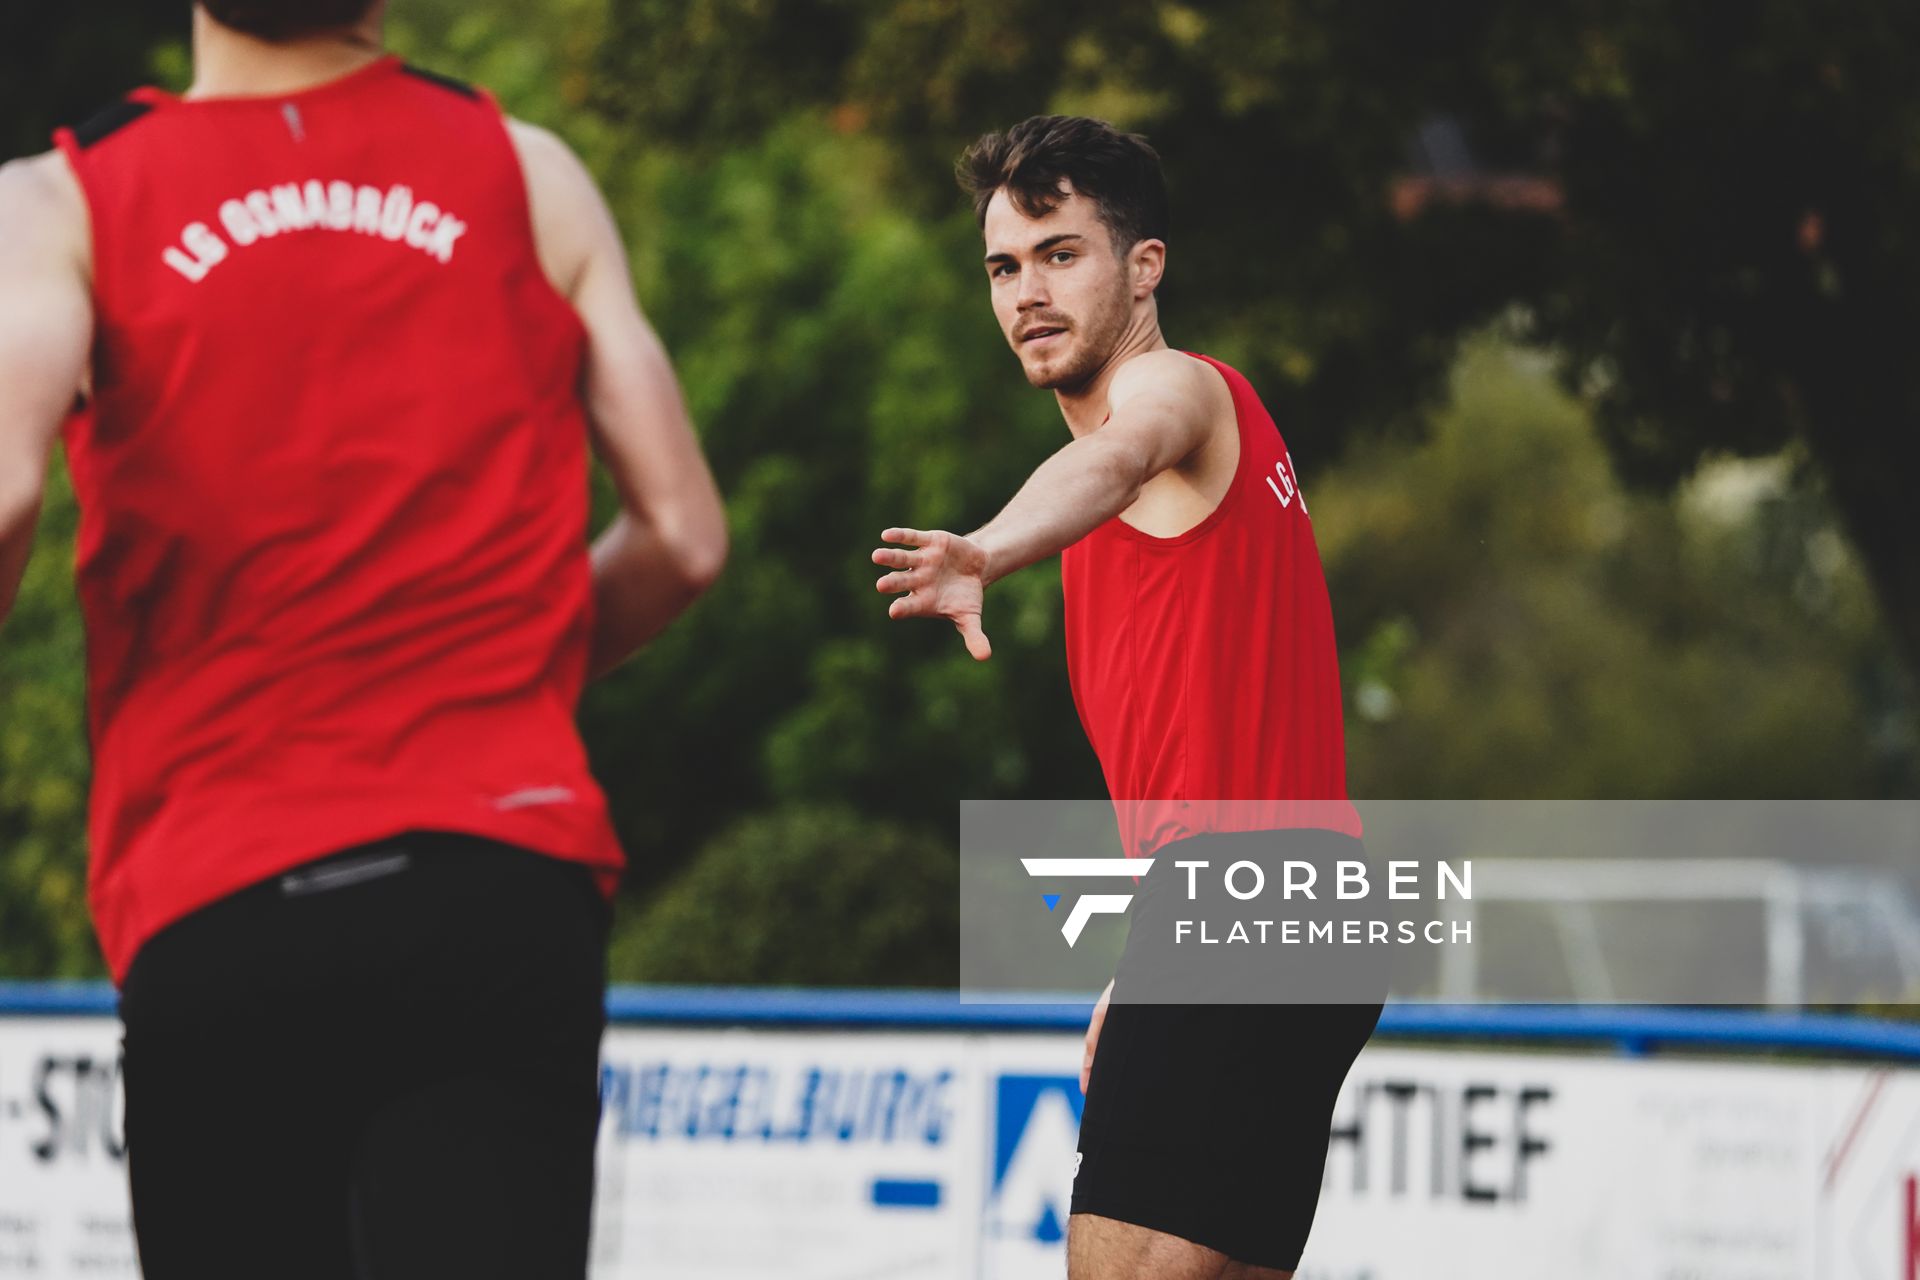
1049	377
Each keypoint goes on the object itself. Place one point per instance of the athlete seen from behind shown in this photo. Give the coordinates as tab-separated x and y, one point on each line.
344	334
1200	648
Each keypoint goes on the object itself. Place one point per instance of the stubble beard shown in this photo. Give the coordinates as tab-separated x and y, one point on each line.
1101	338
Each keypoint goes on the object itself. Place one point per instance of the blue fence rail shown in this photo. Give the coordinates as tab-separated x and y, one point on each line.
1631	1029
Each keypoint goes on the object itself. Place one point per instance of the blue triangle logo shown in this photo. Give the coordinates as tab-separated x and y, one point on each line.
1051	899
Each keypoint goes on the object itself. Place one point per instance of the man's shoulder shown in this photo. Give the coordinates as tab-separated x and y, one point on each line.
571	223
556	177
544	155
1171	372
41	202
35	181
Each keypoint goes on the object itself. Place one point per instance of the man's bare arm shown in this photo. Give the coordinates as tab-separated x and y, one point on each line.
1162	408
670	539
46	331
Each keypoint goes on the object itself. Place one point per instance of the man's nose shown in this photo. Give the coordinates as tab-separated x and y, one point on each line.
1033	291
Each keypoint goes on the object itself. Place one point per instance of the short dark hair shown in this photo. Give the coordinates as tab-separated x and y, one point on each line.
286	19
1118	171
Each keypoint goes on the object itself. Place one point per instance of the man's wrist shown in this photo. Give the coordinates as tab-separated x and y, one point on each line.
983	539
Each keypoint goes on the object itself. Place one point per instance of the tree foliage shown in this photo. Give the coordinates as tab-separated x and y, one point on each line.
1732	263
806	896
1463	393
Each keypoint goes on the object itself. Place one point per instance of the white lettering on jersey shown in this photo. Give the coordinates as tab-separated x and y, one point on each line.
262	210
366	211
440	244
204	251
394	214
1286	485
317	209
241	228
290	207
315	205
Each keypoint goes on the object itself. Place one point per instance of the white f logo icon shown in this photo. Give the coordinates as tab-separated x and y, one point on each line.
1093	904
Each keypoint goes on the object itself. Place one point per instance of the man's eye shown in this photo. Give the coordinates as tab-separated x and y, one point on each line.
1003	269
1061	256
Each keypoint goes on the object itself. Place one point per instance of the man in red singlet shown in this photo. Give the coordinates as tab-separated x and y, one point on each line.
1201	652
344	335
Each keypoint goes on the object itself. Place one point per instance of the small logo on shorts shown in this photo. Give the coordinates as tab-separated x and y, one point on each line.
1078	1156
1088	905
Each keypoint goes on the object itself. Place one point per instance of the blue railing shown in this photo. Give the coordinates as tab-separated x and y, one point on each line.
1632	1029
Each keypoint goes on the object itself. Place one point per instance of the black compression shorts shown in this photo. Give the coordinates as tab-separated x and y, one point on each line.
1210	1121
384	1064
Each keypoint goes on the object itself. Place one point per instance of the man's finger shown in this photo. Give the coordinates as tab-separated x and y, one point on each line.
904	580
910	606
914	537
896	558
976	639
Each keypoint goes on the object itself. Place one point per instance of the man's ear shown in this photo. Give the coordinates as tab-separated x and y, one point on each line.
1145	263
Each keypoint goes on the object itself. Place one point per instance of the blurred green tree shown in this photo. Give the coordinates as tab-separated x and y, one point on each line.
810	896
44	927
1520	625
1713	226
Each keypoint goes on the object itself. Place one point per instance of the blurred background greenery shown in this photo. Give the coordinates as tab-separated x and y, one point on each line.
1587	326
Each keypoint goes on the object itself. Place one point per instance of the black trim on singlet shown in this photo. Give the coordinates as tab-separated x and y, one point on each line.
109	120
460	87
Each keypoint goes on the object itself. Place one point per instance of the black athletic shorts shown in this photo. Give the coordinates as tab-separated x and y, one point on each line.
382	1065
1210	1121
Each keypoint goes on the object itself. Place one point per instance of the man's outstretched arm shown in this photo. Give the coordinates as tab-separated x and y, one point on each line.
670	539
1162	405
46	331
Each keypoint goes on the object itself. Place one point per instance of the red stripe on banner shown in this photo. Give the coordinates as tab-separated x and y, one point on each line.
1839	1153
1913	1228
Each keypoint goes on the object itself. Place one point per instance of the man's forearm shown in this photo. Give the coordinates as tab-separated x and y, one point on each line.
641	583
1071	494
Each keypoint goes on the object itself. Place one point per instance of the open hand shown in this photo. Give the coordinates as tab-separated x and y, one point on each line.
943	576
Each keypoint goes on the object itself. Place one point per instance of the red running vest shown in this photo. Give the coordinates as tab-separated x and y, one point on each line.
1203	665
333	491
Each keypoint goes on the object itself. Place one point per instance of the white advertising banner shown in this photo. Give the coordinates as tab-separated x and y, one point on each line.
1870	1178
1445	1166
851	1154
744	1155
63	1184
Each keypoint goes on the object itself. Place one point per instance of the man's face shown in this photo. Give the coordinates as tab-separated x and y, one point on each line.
1061	293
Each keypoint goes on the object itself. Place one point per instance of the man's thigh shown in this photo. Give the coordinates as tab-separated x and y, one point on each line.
1104	1249
1209	1125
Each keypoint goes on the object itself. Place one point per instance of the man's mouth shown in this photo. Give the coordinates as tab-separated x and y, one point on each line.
1040	331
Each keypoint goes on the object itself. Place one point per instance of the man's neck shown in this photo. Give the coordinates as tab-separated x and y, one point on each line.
1085	407
229	64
